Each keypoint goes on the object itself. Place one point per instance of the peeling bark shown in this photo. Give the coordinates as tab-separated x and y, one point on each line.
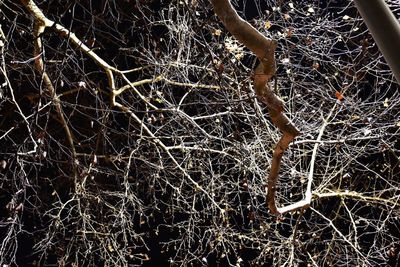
264	49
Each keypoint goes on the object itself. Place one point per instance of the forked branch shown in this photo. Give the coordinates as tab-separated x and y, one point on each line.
41	23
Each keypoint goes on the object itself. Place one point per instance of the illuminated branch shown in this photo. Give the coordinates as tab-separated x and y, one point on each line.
264	49
41	22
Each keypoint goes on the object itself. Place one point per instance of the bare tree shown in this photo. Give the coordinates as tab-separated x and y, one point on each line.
137	132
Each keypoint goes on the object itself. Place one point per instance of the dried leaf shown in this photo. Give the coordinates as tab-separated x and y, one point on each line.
289	32
3	164
308	41
217	32
386	103
267	24
339	95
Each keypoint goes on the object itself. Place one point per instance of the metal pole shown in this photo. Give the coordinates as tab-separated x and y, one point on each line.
384	28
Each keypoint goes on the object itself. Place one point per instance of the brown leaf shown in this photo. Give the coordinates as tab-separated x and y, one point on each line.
339	95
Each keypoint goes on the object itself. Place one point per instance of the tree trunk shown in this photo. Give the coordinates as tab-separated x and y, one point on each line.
384	28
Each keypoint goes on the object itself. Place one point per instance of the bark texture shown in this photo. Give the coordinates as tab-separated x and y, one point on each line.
264	49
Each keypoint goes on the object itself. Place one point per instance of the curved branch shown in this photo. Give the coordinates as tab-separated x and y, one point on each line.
264	49
40	24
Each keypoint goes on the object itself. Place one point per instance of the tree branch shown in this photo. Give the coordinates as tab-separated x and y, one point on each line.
40	24
264	49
